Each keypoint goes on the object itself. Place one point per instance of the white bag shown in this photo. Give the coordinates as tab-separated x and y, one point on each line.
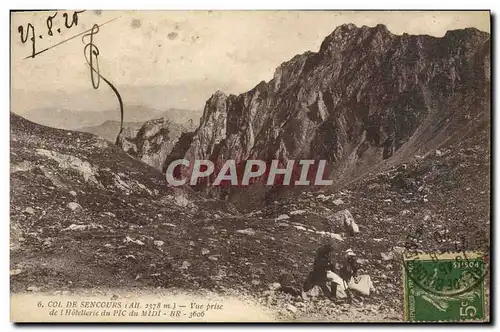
363	284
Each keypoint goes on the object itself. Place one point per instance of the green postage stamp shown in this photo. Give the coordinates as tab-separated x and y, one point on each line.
444	287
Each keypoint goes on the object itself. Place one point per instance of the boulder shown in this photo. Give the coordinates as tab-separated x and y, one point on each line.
181	201
323	197
337	237
387	256
338	201
398	251
274	286
75	227
128	239
29	210
247	231
291	308
73	206
15	272
297	212
345	219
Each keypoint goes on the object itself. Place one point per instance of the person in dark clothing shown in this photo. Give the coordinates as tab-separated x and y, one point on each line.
324	265
287	285
323	262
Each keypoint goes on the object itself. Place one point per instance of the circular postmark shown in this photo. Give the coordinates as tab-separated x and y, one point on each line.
444	271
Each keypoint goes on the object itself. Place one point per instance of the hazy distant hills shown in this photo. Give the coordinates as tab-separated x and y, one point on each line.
68	119
109	129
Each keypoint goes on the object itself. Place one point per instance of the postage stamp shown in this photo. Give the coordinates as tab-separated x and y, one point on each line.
444	287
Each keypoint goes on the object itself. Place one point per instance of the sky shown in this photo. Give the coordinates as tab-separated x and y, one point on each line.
180	58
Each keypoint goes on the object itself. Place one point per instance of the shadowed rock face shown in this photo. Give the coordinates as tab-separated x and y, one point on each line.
367	98
154	141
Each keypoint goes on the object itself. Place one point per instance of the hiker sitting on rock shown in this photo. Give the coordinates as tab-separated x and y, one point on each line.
328	275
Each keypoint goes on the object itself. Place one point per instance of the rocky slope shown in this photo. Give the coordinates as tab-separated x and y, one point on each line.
367	98
86	215
71	193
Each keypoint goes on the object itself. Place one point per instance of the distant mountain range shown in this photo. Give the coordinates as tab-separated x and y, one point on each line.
76	120
109	129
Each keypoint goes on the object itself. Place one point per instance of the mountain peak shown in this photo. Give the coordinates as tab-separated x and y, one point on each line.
218	94
348	28
347	33
341	29
465	33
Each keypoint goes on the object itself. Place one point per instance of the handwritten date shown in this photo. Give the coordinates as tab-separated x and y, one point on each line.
28	33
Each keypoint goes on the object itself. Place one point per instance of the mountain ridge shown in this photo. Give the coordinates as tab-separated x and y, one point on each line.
74	120
366	98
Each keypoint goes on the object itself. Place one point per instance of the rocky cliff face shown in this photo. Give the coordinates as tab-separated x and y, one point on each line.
366	99
154	141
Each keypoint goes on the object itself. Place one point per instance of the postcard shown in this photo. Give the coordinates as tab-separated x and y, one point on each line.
250	166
